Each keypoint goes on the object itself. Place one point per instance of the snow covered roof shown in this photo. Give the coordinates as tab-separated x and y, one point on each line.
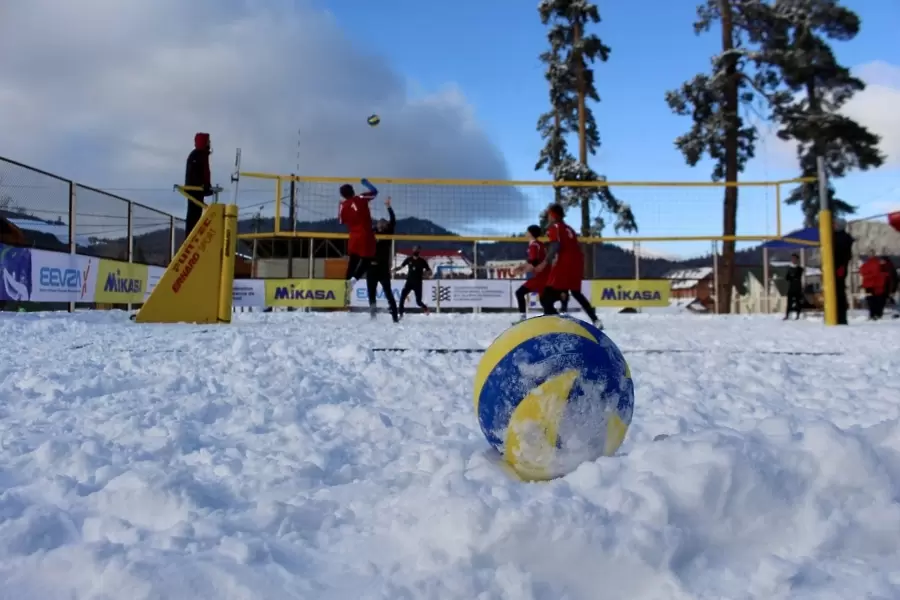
807	270
686	279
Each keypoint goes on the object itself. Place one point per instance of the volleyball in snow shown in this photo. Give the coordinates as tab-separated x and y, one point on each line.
374	120
553	392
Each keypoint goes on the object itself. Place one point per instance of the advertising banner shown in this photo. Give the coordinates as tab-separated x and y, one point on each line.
249	292
15	273
359	295
306	293
472	293
120	282
630	292
58	277
534	302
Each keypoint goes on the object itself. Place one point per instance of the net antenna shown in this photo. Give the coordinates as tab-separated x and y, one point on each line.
236	176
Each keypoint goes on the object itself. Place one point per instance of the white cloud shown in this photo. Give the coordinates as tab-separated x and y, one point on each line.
875	108
111	93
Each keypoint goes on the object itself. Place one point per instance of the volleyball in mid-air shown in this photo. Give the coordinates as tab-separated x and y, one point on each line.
551	393
374	120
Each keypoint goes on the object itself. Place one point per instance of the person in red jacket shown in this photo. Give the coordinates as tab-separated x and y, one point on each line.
875	281
536	255
355	214
565	262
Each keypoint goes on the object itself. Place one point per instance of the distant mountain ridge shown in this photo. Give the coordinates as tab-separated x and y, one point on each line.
613	260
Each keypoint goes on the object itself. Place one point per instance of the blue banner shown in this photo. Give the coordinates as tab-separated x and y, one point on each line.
15	273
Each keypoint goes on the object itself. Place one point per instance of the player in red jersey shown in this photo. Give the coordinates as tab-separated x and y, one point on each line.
565	263
355	214
536	255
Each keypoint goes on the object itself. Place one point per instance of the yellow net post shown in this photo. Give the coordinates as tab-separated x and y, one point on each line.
826	248
226	280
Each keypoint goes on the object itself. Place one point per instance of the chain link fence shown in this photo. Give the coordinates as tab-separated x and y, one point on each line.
48	212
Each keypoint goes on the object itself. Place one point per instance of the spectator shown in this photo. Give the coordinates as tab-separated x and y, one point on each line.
842	251
197	175
794	278
875	282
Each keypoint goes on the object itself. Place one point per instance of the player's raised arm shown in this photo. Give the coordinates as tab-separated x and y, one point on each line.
392	218
370	192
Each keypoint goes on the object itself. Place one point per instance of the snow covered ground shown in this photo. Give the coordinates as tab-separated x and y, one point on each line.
278	458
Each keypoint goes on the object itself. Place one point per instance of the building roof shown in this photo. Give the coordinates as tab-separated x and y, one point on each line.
783	264
435	253
685	279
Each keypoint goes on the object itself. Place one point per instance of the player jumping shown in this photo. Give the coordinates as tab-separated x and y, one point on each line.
416	267
565	263
536	255
380	268
355	214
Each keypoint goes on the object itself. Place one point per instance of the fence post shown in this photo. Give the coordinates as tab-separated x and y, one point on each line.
477	309
312	264
636	249
171	238
73	247
130	248
767	306
717	295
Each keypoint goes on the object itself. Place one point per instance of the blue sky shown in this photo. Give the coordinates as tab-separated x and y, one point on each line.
490	49
458	84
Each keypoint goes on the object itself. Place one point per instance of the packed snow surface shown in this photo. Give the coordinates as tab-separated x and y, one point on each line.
279	458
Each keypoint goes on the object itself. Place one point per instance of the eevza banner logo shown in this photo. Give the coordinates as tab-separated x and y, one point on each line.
15	273
58	277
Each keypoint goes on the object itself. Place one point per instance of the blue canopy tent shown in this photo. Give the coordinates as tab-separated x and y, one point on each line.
795	240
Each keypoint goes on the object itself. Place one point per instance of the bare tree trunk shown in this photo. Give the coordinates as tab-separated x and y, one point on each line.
583	159
557	191
726	283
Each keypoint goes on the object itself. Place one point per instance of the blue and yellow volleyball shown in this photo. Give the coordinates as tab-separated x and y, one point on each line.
551	393
374	120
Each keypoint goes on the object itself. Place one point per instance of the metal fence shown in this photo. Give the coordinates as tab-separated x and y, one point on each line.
54	213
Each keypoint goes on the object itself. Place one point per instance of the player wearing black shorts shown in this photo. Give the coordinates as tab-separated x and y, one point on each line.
417	266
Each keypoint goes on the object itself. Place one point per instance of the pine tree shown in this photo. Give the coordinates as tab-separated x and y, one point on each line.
572	52
713	101
555	153
797	46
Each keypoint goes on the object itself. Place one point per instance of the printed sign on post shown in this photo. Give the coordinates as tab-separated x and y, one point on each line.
474	293
249	292
154	274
